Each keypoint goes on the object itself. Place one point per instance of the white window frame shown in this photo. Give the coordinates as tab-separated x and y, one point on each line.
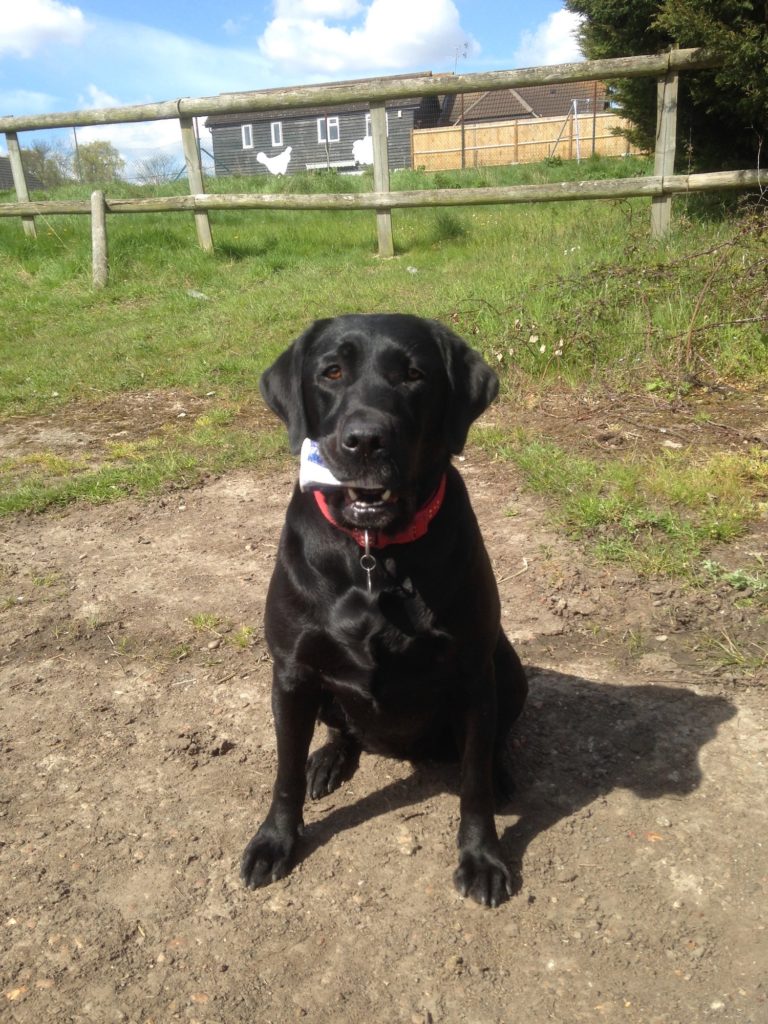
327	128
368	124
277	133
246	134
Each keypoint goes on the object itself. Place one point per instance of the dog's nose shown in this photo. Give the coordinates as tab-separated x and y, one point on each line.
363	438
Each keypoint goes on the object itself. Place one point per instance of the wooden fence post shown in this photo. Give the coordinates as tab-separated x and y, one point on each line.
381	177
664	156
99	247
20	181
196	184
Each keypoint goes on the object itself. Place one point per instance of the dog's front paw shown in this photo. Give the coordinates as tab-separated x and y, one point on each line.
331	765
483	876
267	858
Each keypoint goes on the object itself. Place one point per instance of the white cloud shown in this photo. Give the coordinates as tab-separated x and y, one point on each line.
555	41
27	101
137	141
300	39
96	98
236	26
29	25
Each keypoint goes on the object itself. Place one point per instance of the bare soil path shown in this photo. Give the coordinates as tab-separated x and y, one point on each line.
137	756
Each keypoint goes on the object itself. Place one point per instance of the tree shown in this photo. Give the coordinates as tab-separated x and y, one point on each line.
97	162
722	114
158	169
51	164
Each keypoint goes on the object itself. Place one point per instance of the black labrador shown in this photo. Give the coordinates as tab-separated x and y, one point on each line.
382	615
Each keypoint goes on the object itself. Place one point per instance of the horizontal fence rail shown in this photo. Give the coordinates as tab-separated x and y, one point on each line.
566	191
649	66
659	187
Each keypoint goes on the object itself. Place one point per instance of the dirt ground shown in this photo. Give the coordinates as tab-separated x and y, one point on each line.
137	758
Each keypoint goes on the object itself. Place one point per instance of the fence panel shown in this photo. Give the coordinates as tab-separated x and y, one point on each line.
478	146
520	141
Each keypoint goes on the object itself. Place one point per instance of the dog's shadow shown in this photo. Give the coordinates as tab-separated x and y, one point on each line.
575	742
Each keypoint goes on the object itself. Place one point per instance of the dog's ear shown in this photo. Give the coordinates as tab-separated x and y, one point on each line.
474	385
281	386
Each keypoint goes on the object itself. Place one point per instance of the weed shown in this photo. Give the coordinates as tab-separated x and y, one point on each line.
206	622
243	637
635	642
179	652
750	658
754	581
658	514
49	580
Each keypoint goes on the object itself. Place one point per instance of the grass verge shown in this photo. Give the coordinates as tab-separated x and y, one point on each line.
660	515
175	457
566	294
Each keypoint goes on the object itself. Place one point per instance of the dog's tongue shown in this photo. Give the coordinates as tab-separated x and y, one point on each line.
313	472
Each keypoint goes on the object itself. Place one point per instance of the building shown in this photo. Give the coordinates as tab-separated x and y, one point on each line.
558	99
319	138
6	177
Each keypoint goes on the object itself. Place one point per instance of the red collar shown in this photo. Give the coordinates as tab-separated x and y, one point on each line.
416	529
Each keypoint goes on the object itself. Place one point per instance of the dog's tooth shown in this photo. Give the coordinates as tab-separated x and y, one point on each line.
352	493
386	495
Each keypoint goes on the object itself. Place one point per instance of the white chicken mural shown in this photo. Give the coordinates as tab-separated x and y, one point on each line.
362	150
276	164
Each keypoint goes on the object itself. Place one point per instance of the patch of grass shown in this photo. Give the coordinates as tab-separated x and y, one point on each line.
751	582
206	622
550	292
50	579
584	279
243	637
180	457
659	515
750	658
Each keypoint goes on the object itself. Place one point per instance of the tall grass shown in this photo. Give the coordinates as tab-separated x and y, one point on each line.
566	288
568	292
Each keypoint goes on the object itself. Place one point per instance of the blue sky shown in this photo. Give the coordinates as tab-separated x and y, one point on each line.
60	56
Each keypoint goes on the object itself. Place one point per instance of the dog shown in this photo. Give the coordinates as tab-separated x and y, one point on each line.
382	614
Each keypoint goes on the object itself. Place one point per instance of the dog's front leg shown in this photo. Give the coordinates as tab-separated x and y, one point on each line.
269	854
481	874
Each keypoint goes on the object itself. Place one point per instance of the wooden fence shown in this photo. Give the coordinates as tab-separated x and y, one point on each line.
660	187
520	141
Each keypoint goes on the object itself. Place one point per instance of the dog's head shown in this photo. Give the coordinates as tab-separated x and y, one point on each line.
389	398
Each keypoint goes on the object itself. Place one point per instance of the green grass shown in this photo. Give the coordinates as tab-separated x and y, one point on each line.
572	294
658	514
582	279
176	456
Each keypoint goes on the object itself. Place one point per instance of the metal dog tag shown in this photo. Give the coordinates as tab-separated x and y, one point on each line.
367	561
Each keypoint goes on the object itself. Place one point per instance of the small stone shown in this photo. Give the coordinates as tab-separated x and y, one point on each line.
408	844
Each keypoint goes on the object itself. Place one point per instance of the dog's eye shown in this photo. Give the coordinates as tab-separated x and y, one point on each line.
332	372
414	373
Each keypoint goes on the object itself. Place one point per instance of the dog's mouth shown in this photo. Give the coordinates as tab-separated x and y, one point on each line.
371	508
366	497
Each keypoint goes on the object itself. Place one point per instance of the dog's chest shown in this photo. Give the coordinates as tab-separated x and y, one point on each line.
388	647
